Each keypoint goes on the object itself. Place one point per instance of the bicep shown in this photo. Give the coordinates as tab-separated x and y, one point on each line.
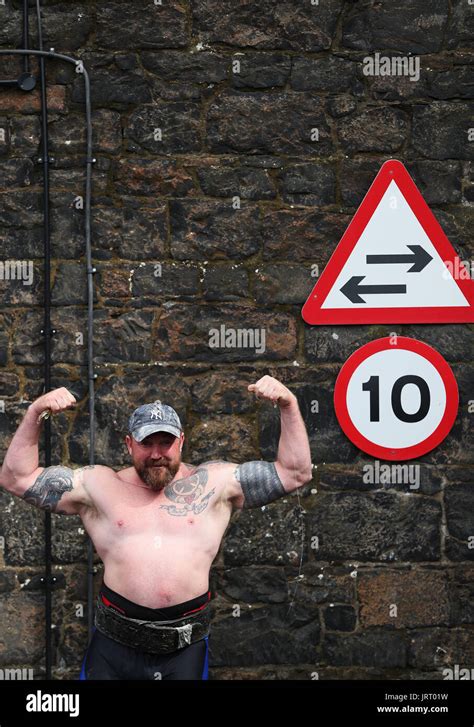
55	489
256	483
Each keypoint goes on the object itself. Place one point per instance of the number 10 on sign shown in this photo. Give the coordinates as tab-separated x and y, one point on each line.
396	398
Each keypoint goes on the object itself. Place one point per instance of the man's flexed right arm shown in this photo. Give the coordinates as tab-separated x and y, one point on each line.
59	489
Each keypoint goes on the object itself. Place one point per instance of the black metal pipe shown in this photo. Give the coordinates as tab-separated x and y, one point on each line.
90	297
47	334
25	82
26	39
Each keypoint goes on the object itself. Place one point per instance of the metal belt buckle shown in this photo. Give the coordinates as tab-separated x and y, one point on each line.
184	635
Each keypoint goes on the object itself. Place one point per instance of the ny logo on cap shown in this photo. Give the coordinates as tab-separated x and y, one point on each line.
156	411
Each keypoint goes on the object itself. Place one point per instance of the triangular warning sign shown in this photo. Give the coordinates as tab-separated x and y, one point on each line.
394	264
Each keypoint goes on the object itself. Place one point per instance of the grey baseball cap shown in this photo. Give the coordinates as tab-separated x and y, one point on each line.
154	417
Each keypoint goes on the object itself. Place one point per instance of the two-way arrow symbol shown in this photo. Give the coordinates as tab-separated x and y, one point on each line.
418	258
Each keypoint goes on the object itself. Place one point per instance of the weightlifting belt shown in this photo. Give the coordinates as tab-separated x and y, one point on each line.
155	637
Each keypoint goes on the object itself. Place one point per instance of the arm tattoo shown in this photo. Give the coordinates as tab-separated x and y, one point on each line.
260	483
49	487
188	494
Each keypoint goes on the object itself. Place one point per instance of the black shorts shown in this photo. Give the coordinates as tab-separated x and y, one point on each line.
106	658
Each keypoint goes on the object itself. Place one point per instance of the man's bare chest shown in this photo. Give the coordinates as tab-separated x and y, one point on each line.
188	507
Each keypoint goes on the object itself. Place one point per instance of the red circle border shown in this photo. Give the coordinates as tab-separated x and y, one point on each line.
408	344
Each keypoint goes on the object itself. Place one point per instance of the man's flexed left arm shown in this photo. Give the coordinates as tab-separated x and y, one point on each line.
293	461
257	483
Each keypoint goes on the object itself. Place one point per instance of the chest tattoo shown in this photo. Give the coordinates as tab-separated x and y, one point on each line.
188	494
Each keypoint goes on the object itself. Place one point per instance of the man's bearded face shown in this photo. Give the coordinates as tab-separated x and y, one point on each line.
156	458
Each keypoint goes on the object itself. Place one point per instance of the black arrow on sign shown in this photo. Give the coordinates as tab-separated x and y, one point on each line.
420	259
352	289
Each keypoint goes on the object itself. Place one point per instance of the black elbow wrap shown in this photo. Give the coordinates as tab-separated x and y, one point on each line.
260	483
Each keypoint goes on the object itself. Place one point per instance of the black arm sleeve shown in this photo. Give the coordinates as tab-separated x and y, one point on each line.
260	483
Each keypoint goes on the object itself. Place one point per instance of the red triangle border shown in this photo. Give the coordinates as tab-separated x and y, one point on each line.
313	314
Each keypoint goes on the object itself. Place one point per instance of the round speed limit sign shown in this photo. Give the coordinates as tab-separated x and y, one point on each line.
396	398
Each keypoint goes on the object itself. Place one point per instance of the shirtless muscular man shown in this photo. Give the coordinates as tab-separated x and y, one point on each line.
157	526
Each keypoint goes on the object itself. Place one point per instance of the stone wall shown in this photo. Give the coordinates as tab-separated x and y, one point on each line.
213	202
